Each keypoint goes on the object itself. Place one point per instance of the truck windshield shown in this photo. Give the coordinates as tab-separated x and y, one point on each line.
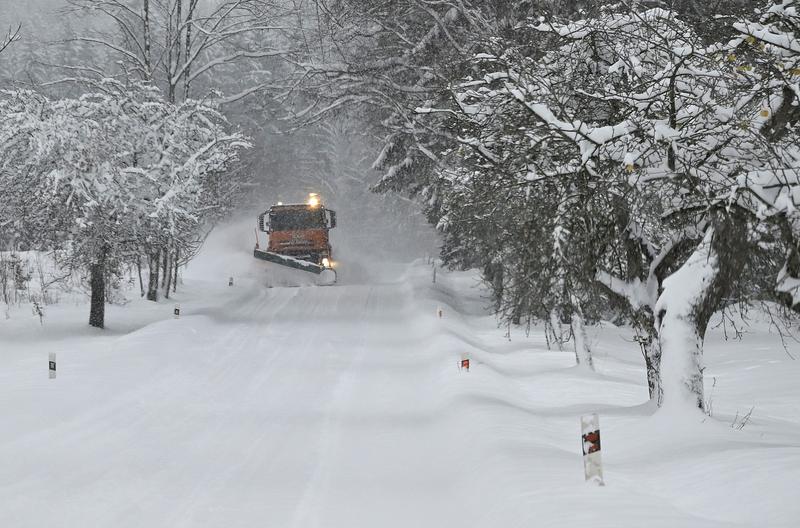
288	220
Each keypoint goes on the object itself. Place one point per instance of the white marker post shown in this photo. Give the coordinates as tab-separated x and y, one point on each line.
52	365
464	364
590	438
439	312
230	281
177	311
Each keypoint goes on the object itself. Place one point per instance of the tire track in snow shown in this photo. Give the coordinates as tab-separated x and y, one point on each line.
305	514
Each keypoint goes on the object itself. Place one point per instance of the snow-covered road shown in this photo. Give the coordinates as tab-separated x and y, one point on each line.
344	407
278	407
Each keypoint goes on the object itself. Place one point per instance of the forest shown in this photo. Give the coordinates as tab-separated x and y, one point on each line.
633	161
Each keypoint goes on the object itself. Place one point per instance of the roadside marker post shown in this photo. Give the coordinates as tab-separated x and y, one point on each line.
230	281
464	364
52	365
439	312
590	440
177	311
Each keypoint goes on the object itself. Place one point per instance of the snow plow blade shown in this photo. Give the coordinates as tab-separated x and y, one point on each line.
326	277
283	260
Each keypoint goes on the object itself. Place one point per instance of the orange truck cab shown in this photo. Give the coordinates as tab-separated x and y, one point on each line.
300	230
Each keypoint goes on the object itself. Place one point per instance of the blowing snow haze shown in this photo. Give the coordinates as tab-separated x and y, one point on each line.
348	263
33	13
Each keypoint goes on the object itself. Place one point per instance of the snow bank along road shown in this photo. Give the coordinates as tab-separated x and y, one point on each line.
344	407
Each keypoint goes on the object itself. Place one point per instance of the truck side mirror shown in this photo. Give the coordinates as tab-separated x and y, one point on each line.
263	222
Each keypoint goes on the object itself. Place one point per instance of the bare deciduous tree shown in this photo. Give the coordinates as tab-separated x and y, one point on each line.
177	43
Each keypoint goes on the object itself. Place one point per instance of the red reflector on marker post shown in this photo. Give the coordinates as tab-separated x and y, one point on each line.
465	364
590	440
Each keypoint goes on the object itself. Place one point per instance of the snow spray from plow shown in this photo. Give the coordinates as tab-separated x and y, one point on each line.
327	276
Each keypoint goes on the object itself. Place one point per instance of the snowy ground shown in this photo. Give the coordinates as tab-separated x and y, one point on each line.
344	407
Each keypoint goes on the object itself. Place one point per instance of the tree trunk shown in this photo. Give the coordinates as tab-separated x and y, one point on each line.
789	277
174	45
164	266
652	360
558	331
97	310
177	265
168	275
152	283
583	354
139	271
690	297
493	274
682	362
647	337
148	74
188	50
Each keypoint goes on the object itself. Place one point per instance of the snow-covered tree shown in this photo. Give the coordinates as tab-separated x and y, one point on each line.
510	142
384	60
660	134
111	175
180	44
768	48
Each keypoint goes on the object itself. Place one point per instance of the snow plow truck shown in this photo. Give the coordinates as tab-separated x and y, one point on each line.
298	238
